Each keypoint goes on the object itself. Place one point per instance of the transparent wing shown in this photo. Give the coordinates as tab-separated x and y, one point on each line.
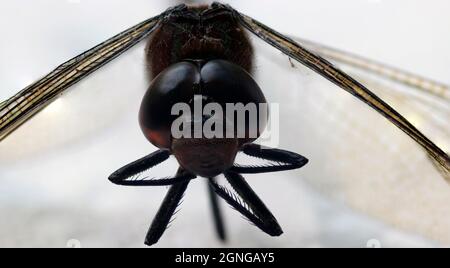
38	95
383	70
356	156
423	101
336	76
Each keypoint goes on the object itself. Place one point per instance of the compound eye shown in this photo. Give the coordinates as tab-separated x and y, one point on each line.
176	84
228	83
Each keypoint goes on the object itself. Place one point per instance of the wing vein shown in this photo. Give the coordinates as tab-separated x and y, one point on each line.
35	97
341	79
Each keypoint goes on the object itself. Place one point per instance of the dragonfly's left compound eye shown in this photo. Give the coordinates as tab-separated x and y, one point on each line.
174	85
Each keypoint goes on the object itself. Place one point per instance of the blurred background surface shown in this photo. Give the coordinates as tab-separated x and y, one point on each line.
366	184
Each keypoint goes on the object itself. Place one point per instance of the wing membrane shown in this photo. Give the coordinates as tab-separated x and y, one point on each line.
394	74
341	79
38	95
410	80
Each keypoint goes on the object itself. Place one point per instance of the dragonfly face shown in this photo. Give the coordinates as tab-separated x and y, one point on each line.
216	82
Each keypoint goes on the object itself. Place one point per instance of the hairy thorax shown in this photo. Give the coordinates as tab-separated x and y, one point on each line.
198	34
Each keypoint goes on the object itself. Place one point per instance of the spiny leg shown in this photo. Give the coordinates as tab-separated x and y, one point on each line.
166	211
248	203
123	175
285	160
217	213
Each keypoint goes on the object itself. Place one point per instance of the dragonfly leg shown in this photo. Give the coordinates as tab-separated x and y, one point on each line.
166	211
217	213
247	203
284	160
129	174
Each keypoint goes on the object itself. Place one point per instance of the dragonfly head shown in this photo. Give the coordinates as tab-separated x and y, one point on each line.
203	111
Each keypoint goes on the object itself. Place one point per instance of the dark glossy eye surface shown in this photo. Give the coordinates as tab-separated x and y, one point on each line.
225	82
217	81
175	84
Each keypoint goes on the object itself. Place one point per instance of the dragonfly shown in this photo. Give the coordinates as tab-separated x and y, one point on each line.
32	99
